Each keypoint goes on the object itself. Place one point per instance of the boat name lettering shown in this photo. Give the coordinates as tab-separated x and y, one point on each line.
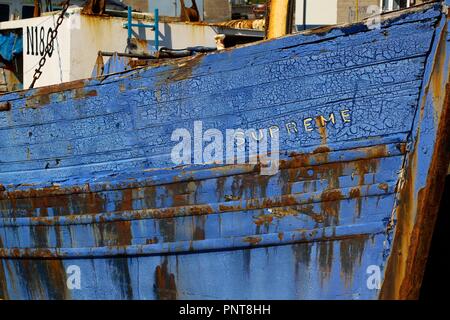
310	124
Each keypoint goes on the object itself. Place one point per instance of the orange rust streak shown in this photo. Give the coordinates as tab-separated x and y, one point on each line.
6	106
417	209
252	240
165	286
322	130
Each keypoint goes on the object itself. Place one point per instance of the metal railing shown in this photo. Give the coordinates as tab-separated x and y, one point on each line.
155	26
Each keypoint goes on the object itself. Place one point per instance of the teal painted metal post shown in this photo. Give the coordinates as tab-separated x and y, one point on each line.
156	28
130	22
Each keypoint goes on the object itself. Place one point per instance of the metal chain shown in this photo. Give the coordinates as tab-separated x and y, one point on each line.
50	46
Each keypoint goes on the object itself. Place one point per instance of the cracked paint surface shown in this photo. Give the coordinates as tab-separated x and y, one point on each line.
86	177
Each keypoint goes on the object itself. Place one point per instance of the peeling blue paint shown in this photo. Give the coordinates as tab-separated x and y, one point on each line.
86	177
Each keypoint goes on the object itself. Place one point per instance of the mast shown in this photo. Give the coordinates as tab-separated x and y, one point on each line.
279	18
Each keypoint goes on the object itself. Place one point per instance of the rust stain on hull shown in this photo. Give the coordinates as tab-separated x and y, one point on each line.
5	106
417	209
351	251
165	286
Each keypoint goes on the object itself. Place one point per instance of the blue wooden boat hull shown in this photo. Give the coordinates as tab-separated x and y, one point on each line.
88	187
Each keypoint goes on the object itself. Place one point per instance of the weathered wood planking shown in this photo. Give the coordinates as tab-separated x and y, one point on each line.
86	177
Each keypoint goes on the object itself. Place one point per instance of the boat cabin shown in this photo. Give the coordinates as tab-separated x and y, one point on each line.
75	52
